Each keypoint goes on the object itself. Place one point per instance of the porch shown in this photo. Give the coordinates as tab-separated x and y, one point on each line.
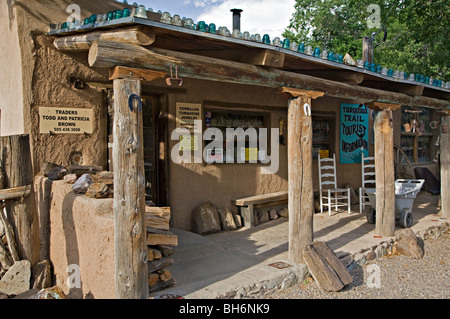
238	264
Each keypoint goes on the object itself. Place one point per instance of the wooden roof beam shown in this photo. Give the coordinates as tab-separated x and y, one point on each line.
139	35
108	54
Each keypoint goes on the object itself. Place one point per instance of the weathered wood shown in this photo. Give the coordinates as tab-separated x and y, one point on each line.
260	199
328	255
120	72
384	174
160	264
382	106
322	272
84	169
445	167
9	231
16	161
129	194
139	35
157	217
157	237
108	54
301	197
267	58
14	193
300	92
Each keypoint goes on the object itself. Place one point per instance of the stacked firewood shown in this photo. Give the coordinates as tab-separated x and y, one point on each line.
160	243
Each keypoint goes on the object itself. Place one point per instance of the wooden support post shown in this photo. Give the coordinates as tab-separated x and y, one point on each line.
384	170
301	198
15	159
445	166
129	193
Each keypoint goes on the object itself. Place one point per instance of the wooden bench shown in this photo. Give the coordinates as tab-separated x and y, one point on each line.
246	205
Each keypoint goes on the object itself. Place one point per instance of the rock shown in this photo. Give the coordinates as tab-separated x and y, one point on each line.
237	220
206	219
82	184
57	173
226	219
70	178
284	213
17	278
263	216
98	190
47	167
353	197
273	214
41	276
408	244
370	255
106	175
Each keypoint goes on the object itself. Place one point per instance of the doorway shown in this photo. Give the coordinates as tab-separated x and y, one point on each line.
155	151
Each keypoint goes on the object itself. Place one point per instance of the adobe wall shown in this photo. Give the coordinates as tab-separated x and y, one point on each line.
77	230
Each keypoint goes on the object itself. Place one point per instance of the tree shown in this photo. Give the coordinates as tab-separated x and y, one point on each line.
416	39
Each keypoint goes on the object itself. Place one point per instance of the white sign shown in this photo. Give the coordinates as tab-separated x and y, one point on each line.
65	120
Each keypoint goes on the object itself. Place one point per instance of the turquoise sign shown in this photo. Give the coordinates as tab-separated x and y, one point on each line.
354	133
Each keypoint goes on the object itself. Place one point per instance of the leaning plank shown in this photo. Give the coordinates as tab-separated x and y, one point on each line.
136	35
158	237
325	251
14	193
322	272
9	232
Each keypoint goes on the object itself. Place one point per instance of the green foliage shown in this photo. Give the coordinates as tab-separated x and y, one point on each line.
417	32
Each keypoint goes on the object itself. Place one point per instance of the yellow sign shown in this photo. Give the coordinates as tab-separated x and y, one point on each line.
65	120
187	113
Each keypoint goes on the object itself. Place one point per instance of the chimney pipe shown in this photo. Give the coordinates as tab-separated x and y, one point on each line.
236	19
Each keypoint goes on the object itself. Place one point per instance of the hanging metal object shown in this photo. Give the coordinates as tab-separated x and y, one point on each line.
176	78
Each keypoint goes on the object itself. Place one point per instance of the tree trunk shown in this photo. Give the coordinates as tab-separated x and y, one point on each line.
301	198
129	194
384	174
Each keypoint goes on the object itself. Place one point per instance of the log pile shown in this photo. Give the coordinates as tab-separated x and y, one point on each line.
160	244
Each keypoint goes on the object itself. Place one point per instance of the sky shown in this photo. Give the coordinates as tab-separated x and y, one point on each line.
259	16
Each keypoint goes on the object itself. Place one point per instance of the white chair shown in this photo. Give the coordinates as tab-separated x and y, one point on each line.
330	194
368	178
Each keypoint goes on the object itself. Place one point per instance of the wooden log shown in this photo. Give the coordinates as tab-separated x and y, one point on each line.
157	217
322	272
384	174
160	264
6	260
327	253
157	237
108	54
129	194
139	35
15	155
301	197
15	193
9	231
445	167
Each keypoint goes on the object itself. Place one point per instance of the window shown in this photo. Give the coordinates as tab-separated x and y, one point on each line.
323	135
417	137
244	151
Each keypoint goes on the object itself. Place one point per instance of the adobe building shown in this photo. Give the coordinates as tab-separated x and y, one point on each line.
63	82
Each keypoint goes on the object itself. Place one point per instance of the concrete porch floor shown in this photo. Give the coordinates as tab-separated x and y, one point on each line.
228	263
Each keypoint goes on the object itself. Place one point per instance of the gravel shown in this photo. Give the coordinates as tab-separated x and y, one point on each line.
401	277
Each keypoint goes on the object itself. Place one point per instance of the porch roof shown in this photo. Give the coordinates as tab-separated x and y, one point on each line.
228	48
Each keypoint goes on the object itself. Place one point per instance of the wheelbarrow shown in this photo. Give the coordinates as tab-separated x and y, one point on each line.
406	191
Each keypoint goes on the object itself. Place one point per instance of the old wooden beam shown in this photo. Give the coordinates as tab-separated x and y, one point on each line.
384	174
301	197
131	269
382	106
139	35
16	192
15	158
445	166
267	58
108	54
344	76
121	72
